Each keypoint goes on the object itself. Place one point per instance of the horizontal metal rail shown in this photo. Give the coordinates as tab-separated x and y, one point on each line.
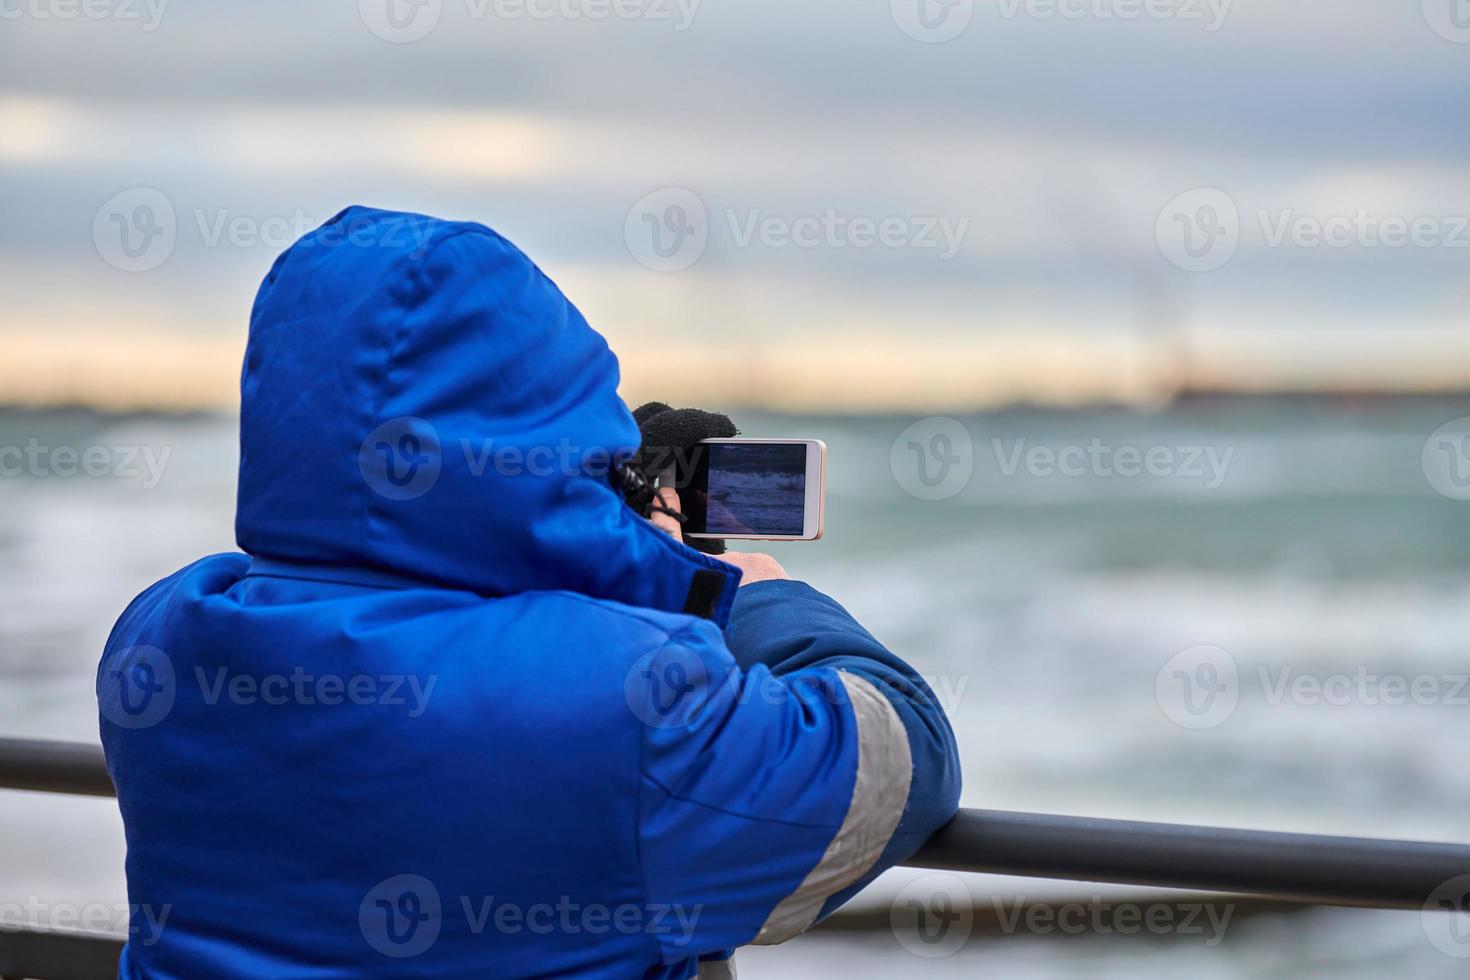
54	955
1354	871
1351	871
54	767
1295	867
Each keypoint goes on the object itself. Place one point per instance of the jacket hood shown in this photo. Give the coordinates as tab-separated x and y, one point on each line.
420	400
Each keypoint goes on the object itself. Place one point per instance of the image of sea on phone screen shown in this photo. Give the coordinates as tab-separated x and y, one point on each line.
756	489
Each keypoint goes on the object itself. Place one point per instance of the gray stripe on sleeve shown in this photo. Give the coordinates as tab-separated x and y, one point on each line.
879	794
716	970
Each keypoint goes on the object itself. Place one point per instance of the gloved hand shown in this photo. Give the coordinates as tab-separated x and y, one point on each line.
669	436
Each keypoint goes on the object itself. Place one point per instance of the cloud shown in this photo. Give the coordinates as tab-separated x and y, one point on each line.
1052	142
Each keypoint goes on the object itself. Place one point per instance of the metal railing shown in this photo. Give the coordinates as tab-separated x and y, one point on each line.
1322	870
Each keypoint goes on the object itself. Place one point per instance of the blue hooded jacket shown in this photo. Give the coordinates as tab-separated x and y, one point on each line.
457	710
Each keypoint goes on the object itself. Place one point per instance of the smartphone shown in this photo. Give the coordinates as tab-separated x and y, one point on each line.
755	489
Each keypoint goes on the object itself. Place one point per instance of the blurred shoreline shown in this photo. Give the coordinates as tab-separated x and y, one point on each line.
1335	399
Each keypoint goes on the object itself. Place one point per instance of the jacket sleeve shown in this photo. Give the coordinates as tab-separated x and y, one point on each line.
802	760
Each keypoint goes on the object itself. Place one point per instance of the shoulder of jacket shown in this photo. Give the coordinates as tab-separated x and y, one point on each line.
662	626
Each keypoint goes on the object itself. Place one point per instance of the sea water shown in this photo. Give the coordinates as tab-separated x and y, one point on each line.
1243	612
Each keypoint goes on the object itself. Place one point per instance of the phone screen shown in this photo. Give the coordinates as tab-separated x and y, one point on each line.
747	488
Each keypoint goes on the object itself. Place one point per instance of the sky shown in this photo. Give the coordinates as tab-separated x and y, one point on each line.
839	206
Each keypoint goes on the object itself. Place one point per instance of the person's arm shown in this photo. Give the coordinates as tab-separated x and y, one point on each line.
788	626
805	760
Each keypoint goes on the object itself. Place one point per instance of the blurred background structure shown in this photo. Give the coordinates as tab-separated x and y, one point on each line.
1138	333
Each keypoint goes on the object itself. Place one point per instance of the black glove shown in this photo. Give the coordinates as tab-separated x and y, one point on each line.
669	437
